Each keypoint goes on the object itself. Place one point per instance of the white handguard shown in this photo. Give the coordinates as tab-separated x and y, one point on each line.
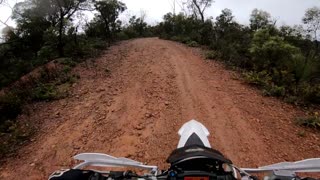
307	165
104	160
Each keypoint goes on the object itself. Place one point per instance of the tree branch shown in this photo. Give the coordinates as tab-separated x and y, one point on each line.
75	10
4	23
199	9
205	7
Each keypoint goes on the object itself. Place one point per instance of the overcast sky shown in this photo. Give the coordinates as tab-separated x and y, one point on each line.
288	12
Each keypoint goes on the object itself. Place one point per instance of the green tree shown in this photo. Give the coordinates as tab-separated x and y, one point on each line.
138	25
65	9
312	20
95	28
271	52
231	39
259	19
225	18
222	25
198	7
31	23
40	15
108	13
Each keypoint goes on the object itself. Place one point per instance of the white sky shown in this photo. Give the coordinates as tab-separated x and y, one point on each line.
285	11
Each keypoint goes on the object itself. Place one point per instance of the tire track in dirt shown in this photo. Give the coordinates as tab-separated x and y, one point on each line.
211	105
131	102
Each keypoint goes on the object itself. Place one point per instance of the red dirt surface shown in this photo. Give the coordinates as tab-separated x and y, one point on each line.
131	102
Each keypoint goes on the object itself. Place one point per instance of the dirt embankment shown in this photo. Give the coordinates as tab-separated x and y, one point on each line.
132	101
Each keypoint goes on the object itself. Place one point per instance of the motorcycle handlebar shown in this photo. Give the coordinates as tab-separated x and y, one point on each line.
75	174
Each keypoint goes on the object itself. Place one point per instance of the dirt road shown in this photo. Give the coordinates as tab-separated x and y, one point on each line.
132	101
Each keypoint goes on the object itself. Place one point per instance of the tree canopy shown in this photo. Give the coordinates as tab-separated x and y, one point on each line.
312	20
198	7
259	19
108	13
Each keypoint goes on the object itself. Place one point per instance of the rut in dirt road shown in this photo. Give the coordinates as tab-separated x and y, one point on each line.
131	102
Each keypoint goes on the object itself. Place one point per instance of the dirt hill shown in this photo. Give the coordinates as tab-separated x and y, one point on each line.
131	102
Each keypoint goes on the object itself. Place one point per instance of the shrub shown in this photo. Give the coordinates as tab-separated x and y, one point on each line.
13	135
123	36
312	121
269	51
45	92
10	107
99	44
182	39
213	55
67	62
192	44
47	52
261	79
7	126
278	91
185	39
175	38
311	93
67	69
292	99
165	36
71	79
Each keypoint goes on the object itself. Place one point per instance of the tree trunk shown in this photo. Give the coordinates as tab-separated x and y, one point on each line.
202	17
107	31
199	10
75	36
316	40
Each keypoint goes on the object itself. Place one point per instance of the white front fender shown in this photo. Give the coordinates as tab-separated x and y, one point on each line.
191	127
